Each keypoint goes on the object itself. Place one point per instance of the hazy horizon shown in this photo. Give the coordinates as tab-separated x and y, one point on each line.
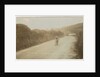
48	22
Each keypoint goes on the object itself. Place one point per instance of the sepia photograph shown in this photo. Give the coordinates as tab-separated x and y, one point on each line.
49	37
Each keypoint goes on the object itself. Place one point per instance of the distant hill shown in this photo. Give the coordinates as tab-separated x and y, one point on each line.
72	29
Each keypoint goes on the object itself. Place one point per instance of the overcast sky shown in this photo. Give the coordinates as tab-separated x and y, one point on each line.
48	22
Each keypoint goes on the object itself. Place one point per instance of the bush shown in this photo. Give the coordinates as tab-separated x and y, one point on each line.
79	45
26	38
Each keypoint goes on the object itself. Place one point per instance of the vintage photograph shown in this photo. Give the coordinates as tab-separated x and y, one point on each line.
49	37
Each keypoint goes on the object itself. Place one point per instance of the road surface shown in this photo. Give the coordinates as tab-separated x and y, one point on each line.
48	50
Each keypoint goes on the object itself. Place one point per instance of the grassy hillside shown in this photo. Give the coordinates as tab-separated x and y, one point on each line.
78	29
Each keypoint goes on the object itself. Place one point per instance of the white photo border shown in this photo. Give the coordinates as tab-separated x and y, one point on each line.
50	65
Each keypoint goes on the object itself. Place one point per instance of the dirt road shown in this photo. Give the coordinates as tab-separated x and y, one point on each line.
49	50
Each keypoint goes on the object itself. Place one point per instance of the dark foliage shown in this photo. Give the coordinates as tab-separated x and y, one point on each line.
26	38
